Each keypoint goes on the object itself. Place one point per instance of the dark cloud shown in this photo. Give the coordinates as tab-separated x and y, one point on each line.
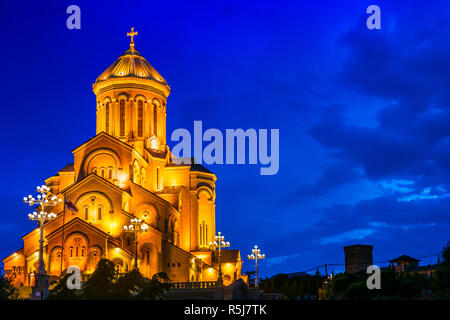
410	75
332	177
380	152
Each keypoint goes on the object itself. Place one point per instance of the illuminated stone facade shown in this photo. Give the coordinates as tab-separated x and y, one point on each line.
126	171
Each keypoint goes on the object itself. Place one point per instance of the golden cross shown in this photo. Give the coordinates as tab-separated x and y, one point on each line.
132	34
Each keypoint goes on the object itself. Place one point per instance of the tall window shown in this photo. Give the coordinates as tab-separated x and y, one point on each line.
155	115
107	117
99	213
140	118
122	117
203	233
157	178
86	213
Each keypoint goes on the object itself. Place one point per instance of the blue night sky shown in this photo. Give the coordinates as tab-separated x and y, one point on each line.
364	115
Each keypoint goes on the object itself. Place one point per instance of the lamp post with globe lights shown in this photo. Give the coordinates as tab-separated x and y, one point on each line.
218	244
136	226
41	203
256	255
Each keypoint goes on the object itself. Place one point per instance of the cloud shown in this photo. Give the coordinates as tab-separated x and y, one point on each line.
357	234
332	177
280	259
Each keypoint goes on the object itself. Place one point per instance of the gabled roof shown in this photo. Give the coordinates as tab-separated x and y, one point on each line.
199	168
68	168
20	251
105	135
82	222
134	185
184	251
95	177
404	257
191	164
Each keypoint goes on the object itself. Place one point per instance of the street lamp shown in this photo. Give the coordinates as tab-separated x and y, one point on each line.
43	200
256	255
218	244
136	226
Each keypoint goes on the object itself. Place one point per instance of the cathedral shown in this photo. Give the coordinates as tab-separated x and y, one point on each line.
126	172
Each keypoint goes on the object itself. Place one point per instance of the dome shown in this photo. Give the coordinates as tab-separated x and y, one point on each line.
131	67
131	64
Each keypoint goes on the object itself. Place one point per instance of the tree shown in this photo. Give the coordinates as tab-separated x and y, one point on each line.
62	292
7	290
100	285
251	278
156	288
129	286
104	285
134	286
442	279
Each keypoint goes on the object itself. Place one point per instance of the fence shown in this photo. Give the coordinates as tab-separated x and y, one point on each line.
192	285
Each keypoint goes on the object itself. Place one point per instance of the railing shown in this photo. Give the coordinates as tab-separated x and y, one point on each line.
192	285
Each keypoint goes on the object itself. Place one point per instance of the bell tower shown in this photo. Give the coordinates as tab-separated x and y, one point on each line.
131	100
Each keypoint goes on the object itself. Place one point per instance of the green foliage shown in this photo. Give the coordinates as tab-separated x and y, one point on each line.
442	281
62	292
393	286
101	284
304	287
7	290
345	286
105	285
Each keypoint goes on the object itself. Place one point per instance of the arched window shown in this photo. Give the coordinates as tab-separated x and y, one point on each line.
122	118
155	115
86	213
94	171
140	118
99	213
83	251
71	252
148	257
107	117
110	173
102	172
